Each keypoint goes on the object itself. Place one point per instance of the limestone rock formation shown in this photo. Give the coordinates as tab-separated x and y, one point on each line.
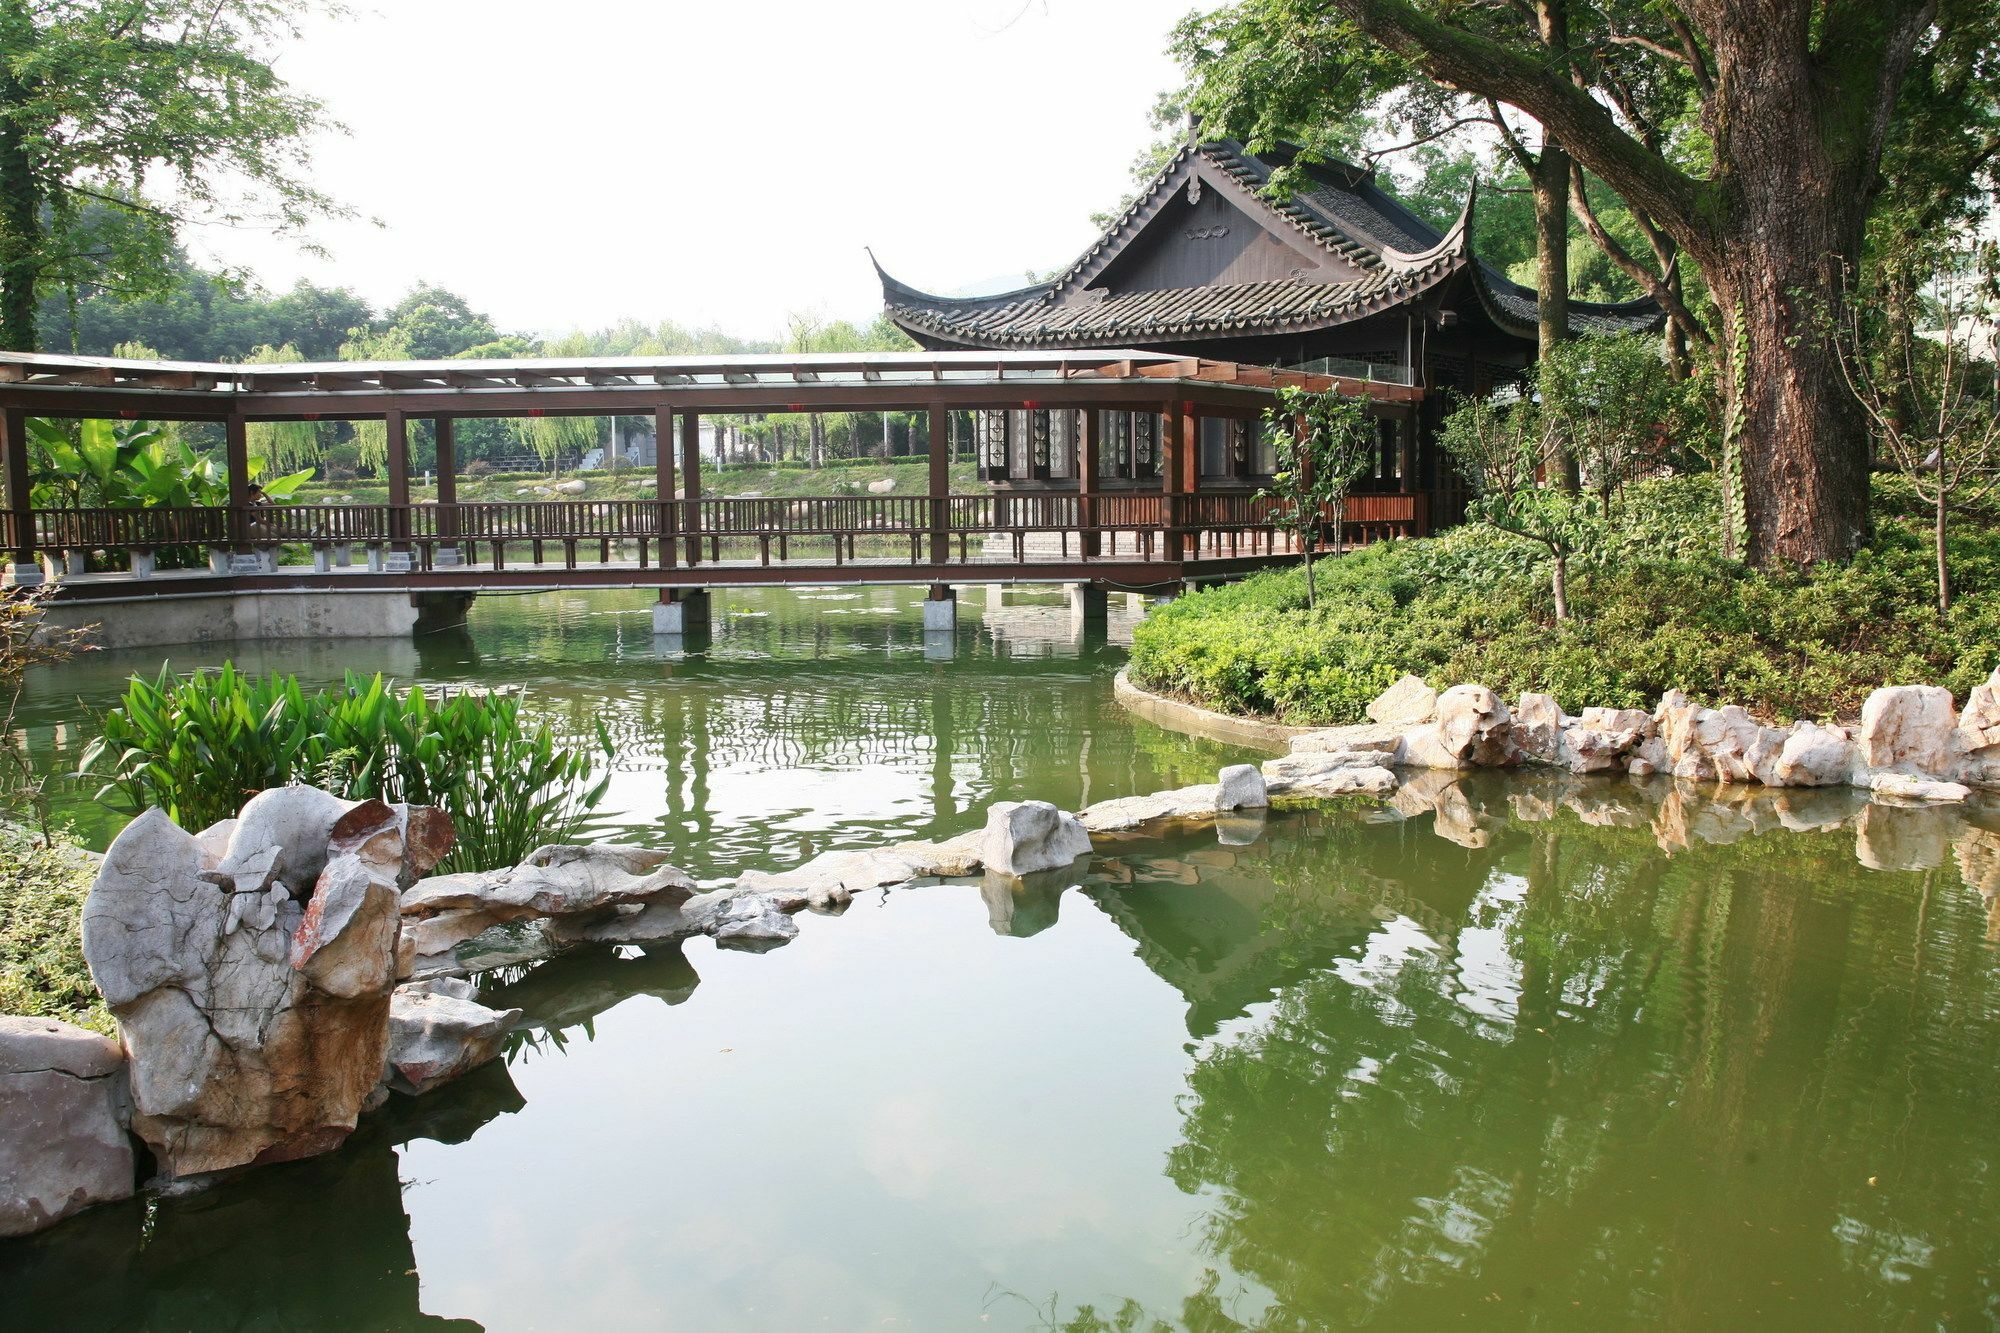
63	1110
1814	755
1474	726
1405	703
254	1006
1383	740
1909	728
1917	788
1241	787
1538	729
438	1030
582	887
1335	774
1025	836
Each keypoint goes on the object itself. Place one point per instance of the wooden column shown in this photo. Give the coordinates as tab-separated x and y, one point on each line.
1173	476
398	430
20	534
1191	425
445	432
236	461
691	480
1086	480
663	485
940	479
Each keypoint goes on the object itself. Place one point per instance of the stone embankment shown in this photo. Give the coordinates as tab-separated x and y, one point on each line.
1911	744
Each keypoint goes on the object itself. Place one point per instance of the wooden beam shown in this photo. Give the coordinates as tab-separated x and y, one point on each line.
691	483
399	480
663	484
940	482
20	515
445	434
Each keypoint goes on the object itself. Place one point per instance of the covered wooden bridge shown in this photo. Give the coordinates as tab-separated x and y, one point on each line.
1199	516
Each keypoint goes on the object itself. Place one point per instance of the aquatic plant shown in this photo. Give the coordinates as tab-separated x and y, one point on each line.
200	745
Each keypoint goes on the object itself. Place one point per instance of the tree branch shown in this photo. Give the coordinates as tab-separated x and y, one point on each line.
1579	203
1570	114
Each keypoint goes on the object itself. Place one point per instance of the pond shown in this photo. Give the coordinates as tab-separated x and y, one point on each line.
1527	1052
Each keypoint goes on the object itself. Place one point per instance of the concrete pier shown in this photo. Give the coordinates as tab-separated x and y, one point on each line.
1088	603
680	611
941	610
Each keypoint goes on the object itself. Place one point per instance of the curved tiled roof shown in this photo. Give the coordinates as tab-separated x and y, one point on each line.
1174	313
1345	212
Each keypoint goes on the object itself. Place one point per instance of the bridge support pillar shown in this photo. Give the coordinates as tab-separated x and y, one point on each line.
1088	602
440	610
680	610
941	610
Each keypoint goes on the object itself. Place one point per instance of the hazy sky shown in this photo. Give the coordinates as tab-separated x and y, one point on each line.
566	163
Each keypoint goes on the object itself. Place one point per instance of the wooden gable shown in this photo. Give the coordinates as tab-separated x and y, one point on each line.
1201	228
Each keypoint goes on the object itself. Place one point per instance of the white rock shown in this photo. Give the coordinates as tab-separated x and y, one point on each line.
882	486
1383	740
63	1109
574	486
1475	726
1128	812
1538	729
1241	787
1908	727
1979	724
1025	836
1326	775
292	823
1404	703
1617	719
1587	749
1425	746
438	1031
1814	755
1911	787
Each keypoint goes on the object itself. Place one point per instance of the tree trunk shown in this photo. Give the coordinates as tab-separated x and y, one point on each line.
1551	183
1797	436
20	197
1559	581
1937	541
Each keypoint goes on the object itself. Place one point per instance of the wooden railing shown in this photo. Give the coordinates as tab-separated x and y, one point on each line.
961	529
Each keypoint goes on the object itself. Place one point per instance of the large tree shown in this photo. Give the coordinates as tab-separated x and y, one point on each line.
1794	101
155	113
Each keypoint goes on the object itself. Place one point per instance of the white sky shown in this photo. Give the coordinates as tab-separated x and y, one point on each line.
566	164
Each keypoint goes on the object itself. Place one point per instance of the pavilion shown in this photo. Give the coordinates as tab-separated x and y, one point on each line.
1340	278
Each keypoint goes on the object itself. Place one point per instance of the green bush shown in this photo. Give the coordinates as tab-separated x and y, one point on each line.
1655	610
199	746
42	972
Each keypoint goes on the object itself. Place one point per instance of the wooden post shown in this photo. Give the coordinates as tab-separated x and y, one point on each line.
1191	426
236	461
940	480
1173	476
663	484
445	432
20	535
1086	480
399	484
691	474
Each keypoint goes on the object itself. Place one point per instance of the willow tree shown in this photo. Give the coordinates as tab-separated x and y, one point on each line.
161	113
1793	101
284	445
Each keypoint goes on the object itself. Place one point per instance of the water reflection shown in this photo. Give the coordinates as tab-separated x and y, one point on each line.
808	720
1520	1065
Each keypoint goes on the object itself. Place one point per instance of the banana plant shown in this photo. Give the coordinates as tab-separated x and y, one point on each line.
136	465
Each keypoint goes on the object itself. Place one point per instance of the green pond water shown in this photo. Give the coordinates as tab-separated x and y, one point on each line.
1506	1052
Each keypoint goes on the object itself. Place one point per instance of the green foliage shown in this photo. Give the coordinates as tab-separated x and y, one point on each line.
42	972
199	746
1655	609
1324	441
134	465
121	124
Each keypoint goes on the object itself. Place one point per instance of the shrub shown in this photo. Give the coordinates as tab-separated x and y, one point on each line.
42	972
476	469
200	746
1652	610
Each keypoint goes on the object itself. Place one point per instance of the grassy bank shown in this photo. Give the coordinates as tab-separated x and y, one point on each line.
42	973
1655	610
